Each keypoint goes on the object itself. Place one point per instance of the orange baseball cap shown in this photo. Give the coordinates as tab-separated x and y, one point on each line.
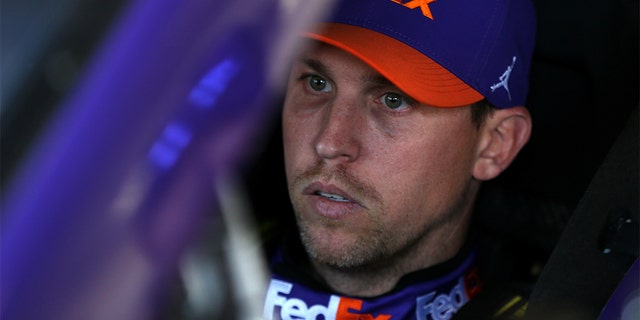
407	68
447	53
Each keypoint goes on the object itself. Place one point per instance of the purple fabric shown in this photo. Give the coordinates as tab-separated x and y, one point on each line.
438	298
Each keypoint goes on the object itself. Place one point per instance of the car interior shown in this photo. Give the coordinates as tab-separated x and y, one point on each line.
560	227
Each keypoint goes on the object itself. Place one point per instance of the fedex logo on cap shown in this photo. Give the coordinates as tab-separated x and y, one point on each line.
279	306
413	4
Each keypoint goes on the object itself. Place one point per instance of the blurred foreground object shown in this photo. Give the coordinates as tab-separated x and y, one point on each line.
108	201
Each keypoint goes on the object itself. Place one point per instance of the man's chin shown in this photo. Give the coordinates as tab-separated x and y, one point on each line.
336	252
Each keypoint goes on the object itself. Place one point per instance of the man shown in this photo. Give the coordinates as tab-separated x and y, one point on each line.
395	113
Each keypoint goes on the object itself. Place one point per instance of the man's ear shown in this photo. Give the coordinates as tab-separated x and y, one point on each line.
504	134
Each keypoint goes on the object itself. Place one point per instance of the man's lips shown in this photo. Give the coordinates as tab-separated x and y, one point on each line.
328	191
331	201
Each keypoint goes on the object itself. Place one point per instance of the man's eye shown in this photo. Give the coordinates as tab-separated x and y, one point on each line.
317	83
395	101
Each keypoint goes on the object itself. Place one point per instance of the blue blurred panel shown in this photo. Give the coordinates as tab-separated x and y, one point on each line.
624	303
113	194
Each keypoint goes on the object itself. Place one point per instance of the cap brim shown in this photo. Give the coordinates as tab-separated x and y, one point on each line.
411	71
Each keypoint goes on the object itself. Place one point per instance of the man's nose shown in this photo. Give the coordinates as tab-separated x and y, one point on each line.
339	134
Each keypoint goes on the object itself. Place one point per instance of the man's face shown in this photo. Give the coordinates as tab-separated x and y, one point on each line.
372	174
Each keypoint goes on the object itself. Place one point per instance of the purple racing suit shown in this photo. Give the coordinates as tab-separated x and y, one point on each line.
434	293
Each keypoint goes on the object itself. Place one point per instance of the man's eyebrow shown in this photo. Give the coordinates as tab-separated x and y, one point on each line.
373	79
378	80
315	65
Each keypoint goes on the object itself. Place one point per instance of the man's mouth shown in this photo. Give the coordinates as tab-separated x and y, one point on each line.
328	192
332	197
331	201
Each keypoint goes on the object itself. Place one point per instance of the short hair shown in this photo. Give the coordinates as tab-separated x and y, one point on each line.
480	111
